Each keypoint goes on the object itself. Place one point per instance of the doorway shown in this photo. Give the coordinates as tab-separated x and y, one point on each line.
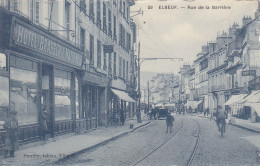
47	98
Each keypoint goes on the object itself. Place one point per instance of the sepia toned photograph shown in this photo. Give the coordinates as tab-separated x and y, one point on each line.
129	82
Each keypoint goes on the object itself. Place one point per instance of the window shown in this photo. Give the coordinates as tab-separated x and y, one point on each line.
120	35
104	17
115	36
109	23
82	39
98	14
91	49
124	9
67	19
124	69
83	6
23	83
3	64
31	9
62	82
127	13
37	12
120	7
4	84
120	66
114	70
91	9
110	63
105	61
98	53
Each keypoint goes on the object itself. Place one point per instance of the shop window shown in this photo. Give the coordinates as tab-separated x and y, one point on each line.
4	90
3	64
77	97
23	82
62	83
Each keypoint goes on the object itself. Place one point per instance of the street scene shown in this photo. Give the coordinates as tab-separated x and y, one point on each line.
129	82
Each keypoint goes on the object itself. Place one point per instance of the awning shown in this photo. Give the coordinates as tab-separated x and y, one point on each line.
255	106
235	99
196	103
122	95
252	98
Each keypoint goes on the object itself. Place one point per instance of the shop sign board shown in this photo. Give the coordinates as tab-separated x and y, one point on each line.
249	73
44	43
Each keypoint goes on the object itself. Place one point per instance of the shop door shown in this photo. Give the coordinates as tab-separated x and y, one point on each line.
47	97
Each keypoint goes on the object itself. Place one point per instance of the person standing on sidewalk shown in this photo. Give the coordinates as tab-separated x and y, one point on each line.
122	117
44	122
169	122
11	139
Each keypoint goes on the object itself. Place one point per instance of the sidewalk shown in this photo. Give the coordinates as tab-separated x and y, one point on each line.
53	152
241	123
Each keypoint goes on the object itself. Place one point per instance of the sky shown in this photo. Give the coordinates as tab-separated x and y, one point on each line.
180	33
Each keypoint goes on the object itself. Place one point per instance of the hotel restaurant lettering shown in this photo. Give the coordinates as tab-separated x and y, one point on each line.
35	41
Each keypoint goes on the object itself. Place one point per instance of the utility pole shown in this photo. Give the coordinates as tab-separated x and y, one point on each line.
148	96
138	114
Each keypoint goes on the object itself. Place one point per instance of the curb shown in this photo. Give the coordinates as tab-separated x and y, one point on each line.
239	126
242	127
97	145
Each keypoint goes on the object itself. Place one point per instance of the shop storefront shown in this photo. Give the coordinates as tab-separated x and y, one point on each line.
120	103
94	97
39	70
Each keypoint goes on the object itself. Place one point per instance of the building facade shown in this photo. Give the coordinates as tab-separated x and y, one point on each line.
73	58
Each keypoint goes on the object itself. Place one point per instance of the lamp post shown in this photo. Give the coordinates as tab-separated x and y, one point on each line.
138	113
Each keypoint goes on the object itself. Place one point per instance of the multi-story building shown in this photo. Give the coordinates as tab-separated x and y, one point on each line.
75	58
184	83
201	78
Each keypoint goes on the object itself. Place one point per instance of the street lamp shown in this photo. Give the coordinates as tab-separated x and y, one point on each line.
138	115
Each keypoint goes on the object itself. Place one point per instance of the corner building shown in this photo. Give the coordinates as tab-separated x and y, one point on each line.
75	58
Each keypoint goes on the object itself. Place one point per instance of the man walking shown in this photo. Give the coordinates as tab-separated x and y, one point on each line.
169	122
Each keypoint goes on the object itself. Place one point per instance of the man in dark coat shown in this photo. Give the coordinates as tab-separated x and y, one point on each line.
169	122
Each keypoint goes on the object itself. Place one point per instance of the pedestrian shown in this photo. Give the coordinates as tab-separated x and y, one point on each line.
122	117
11	139
44	122
169	122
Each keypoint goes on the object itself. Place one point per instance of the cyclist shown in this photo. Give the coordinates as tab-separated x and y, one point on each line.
221	114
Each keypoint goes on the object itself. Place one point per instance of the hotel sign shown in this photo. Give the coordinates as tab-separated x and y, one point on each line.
45	44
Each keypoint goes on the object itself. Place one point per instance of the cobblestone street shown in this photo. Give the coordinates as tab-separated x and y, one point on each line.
212	149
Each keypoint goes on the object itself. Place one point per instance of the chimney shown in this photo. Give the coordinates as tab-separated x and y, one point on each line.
212	47
205	48
246	20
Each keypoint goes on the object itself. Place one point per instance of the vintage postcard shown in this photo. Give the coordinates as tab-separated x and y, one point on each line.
130	82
